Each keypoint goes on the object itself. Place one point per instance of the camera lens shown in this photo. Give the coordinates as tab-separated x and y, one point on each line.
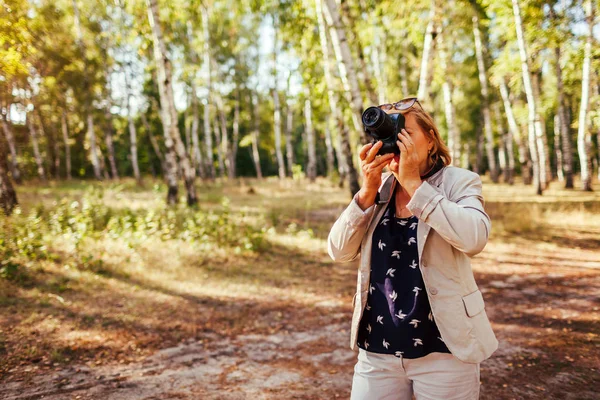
372	117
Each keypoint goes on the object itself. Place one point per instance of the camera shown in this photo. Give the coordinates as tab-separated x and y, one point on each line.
385	127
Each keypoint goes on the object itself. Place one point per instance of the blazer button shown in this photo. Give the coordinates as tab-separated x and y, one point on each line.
433	291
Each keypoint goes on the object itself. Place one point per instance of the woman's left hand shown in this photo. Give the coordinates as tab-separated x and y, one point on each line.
406	166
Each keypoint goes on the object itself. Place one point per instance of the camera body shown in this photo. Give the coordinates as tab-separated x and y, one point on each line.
383	126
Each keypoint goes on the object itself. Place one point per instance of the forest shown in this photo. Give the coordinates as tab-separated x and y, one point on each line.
170	170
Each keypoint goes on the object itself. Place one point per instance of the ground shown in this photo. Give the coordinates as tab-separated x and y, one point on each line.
175	320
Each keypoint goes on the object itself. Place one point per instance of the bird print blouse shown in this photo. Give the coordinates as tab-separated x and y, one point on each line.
397	318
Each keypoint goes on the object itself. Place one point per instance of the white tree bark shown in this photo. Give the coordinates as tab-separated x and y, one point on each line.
345	63
487	120
289	146
453	134
311	169
255	135
210	166
584	137
514	132
345	164
535	129
36	148
277	106
65	135
168	111
423	91
236	136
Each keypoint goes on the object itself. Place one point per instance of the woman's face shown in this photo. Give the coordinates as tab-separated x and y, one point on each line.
420	139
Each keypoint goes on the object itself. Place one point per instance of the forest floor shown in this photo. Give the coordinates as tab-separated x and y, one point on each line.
163	321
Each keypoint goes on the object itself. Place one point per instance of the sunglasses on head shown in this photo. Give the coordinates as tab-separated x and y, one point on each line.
401	105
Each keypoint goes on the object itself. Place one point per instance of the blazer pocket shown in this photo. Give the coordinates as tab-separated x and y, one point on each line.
473	303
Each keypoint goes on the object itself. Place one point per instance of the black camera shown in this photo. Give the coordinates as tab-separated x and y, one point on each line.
385	127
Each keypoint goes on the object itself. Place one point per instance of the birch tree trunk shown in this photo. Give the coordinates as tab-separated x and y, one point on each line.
277	106
223	148
345	64
36	148
169	113
363	74
110	148
453	135
330	150
197	153
535	130
311	170
507	147
557	148
8	196
423	91
289	148
65	135
10	139
236	136
345	164
402	64
218	144
132	130
210	166
154	144
255	135
487	120
542	140
563	123
91	135
514	132
584	137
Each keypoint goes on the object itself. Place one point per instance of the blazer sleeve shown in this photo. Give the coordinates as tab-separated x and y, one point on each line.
345	237
460	219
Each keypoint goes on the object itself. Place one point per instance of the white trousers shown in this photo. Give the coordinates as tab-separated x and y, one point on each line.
436	376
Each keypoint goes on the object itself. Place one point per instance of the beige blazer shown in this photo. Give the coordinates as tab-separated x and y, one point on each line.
452	228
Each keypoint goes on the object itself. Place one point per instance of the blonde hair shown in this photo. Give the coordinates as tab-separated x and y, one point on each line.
439	149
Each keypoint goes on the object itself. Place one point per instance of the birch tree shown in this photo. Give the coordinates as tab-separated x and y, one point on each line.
277	106
36	147
430	33
487	120
345	63
91	134
210	166
66	143
535	130
169	113
311	170
584	137
345	165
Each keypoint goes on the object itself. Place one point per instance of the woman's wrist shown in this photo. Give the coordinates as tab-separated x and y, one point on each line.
366	198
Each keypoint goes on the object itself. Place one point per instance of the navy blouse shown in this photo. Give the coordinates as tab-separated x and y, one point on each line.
397	318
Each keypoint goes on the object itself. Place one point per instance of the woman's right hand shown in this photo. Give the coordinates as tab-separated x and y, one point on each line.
372	164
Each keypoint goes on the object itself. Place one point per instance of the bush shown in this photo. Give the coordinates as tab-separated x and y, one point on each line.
23	239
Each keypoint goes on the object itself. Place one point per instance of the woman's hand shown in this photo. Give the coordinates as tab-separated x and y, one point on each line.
406	166
371	166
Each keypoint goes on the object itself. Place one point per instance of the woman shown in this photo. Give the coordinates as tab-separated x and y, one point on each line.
419	322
